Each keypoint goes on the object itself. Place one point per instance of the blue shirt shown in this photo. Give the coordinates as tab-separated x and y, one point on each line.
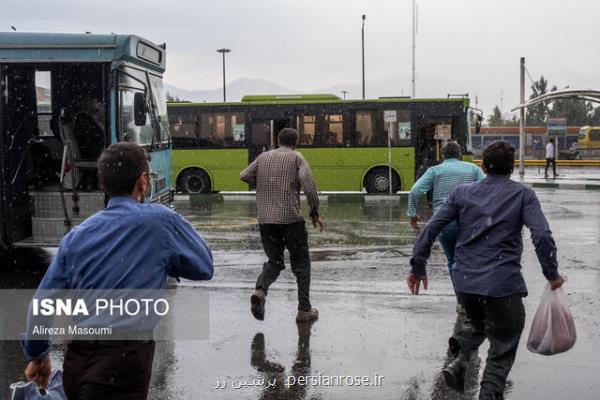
128	245
442	179
490	215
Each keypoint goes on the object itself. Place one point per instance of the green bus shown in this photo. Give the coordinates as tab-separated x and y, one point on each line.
347	143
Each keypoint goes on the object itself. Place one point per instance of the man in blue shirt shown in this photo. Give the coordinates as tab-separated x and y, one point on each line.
128	245
442	179
490	214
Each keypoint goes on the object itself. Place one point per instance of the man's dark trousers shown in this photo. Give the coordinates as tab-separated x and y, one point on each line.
108	371
548	162
501	321
275	239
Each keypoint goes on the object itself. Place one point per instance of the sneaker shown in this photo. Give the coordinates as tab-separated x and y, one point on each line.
306	316
257	304
454	373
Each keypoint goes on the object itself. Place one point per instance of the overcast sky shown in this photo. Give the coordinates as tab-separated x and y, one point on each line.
463	46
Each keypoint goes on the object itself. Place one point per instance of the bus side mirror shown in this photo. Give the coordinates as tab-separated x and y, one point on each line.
478	124
139	109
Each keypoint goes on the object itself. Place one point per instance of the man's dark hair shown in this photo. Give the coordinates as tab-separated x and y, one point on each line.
119	166
551	140
451	150
499	158
288	137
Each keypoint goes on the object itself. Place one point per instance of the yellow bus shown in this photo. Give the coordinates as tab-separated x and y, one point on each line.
588	143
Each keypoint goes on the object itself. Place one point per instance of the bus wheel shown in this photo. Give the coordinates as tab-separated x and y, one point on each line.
194	181
378	181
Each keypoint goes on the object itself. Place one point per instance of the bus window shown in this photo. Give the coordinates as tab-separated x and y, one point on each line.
43	94
222	130
306	130
401	130
159	98
364	127
594	135
129	130
371	128
335	133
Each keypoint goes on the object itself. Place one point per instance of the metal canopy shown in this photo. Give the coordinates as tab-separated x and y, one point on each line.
584	94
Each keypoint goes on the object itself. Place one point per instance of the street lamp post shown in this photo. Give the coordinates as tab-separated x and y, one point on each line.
344	93
363	54
224	51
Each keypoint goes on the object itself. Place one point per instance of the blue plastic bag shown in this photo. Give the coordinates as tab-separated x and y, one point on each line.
29	390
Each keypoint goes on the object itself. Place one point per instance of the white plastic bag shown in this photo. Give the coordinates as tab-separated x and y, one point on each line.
29	390
553	329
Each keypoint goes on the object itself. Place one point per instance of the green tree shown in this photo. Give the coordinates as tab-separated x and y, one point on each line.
577	112
595	116
537	113
172	98
514	121
495	118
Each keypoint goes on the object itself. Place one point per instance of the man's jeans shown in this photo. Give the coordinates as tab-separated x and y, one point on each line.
447	239
277	237
501	321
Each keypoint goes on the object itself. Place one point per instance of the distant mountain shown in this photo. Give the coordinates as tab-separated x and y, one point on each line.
235	90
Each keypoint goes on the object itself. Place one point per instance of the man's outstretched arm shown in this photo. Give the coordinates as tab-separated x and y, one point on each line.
422	248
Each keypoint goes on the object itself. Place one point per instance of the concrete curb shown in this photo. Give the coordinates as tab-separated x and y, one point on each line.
344	197
571	186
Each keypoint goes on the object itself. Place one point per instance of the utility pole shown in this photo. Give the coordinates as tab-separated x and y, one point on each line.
522	122
414	45
224	51
363	54
344	93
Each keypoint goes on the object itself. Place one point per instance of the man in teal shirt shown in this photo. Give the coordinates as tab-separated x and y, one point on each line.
443	179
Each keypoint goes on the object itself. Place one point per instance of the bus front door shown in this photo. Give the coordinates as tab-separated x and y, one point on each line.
17	128
3	232
260	139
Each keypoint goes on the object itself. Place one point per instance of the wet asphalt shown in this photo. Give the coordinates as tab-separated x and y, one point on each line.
370	326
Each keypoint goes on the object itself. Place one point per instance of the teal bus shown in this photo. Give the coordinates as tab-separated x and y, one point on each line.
347	143
63	99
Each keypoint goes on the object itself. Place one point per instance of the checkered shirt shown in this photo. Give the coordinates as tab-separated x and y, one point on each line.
442	179
279	174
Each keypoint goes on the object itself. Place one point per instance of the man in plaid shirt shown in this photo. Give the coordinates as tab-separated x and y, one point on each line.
443	179
278	175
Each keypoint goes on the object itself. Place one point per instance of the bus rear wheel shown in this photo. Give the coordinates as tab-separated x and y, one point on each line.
194	181
378	181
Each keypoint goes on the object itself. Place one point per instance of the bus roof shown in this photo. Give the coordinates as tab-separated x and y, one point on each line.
287	97
319	99
28	47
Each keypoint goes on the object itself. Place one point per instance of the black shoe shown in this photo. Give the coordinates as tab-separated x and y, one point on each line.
257	304
454	373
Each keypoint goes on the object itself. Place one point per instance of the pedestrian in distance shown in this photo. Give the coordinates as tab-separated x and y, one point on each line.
278	176
550	158
442	179
491	214
128	245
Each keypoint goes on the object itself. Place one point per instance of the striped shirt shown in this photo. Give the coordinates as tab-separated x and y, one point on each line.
442	179
279	174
